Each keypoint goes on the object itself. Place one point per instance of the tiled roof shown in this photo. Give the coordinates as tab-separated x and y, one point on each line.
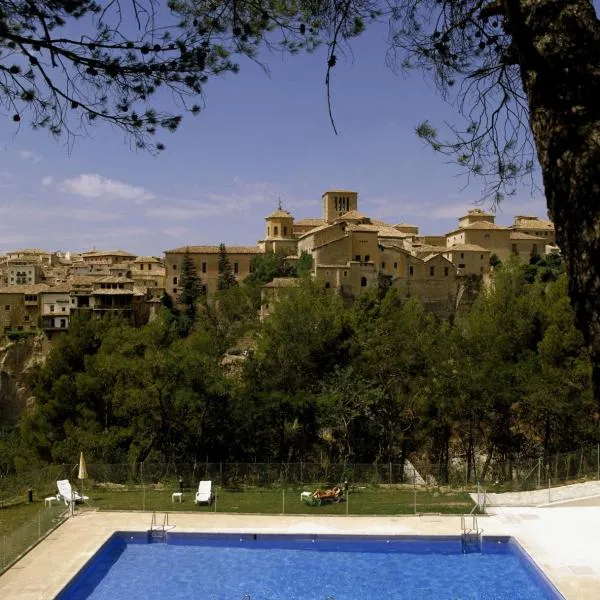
339	192
310	222
35	288
353	215
280	282
517	235
280	214
107	253
29	251
112	279
527	222
215	250
466	248
63	288
146	259
112	293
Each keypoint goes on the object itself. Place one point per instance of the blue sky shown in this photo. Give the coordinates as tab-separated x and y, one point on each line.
258	139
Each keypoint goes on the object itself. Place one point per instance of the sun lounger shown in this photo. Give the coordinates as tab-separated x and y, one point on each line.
204	493
67	493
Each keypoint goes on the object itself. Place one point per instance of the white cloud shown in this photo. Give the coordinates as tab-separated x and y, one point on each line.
47	181
34	157
92	185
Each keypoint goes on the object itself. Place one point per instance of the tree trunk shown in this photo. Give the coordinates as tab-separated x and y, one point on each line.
559	55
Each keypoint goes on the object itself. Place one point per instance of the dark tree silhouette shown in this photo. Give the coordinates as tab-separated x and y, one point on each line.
226	277
190	285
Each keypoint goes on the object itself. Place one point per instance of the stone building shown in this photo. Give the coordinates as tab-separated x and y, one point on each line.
206	261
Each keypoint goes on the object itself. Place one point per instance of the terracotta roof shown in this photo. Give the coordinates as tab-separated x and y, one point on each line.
353	215
364	227
215	250
147	259
405	225
339	192
36	288
280	214
29	251
63	288
319	228
107	253
428	248
466	248
281	282
517	235
432	256
531	222
112	279
112	293
311	222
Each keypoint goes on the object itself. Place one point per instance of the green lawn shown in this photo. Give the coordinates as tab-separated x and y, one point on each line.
372	501
363	501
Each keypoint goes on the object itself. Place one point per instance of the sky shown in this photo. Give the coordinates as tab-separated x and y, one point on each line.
260	138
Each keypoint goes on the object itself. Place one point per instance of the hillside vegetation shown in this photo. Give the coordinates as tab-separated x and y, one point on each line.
380	379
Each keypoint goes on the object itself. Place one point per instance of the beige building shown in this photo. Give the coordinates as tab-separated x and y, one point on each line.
107	257
20	307
206	261
149	272
469	259
22	271
55	308
536	227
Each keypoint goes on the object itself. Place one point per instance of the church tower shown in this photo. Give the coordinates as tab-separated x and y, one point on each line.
280	231
338	202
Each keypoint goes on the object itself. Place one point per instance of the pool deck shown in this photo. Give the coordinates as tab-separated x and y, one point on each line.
563	541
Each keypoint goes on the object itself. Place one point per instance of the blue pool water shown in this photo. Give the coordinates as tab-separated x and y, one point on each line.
269	567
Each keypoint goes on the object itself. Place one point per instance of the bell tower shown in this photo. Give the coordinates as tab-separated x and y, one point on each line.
338	202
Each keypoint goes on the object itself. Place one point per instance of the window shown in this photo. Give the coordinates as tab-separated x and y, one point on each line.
487	236
174	280
203	289
411	271
363	282
52	308
481	269
275	230
7	307
395	265
236	268
462	254
174	290
174	267
204	267
446	271
141	267
64	309
285	231
345	273
149	267
383	265
63	323
357	258
367	258
462	266
327	284
26	318
431	271
481	256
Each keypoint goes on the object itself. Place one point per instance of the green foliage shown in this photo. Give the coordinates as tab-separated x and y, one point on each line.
263	269
304	264
375	381
226	277
190	285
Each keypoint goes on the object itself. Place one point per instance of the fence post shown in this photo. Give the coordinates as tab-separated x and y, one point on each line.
415	490
549	496
283	501
390	471
39	524
143	487
539	472
598	462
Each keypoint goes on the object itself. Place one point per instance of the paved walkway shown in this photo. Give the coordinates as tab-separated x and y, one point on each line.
542	497
560	540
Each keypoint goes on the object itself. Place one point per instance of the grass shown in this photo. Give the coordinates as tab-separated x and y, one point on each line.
362	501
368	501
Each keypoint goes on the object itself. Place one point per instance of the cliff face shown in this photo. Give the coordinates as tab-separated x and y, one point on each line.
15	359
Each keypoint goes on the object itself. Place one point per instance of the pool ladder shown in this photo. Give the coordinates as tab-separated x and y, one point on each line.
471	536
158	531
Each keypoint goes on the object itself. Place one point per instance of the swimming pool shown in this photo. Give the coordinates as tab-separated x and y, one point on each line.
323	567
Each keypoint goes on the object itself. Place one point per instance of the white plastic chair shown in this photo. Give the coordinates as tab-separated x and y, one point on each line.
67	493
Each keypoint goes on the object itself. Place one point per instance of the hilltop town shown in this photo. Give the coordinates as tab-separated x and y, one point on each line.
350	252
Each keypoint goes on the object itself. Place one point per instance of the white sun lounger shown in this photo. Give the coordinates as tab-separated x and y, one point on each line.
204	493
